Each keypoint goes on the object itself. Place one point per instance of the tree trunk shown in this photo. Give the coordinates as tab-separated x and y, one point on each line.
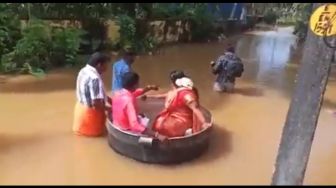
302	117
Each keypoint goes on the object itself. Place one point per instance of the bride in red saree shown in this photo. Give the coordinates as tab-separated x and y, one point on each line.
181	115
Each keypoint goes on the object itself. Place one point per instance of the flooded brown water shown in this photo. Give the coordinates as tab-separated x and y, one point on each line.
37	145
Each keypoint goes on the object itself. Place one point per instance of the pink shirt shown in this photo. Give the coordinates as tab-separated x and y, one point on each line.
125	112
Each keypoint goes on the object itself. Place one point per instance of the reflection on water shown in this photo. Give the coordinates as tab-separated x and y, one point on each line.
38	147
269	52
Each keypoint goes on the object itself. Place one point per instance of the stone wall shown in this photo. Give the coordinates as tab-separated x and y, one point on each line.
164	31
170	31
58	23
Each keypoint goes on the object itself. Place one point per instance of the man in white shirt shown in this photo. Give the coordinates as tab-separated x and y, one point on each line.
89	115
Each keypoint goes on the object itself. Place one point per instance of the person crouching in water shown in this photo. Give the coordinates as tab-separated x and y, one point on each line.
227	68
181	115
124	106
89	114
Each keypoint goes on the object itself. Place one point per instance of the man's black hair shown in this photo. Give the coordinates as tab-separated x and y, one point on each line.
97	58
129	80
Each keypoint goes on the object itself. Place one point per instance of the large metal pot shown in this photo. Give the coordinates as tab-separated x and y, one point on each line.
145	149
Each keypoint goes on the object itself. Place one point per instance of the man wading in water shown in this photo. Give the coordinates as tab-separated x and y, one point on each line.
89	114
120	68
123	66
227	68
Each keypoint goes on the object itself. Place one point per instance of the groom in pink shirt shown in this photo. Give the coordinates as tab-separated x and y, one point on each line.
124	106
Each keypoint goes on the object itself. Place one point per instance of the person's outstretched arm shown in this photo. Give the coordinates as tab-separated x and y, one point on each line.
217	65
139	92
158	96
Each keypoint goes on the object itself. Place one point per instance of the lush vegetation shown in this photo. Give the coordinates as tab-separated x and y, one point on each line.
271	17
201	24
35	47
302	14
38	46
134	31
296	14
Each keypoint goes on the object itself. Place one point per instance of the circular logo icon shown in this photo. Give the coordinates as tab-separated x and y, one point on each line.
323	20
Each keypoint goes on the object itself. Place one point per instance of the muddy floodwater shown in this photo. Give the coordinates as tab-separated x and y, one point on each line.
37	145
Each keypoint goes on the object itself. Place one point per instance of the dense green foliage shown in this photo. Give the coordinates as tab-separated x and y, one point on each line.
41	47
271	17
302	14
129	36
200	18
65	46
127	30
38	46
9	30
296	14
132	36
166	11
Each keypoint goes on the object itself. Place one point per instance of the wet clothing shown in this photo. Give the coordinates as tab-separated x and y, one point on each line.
177	118
224	86
119	68
89	86
89	121
227	67
224	65
125	110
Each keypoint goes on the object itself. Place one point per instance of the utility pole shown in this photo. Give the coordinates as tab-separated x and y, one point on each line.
298	132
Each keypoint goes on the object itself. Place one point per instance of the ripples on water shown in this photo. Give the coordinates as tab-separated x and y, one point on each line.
38	147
